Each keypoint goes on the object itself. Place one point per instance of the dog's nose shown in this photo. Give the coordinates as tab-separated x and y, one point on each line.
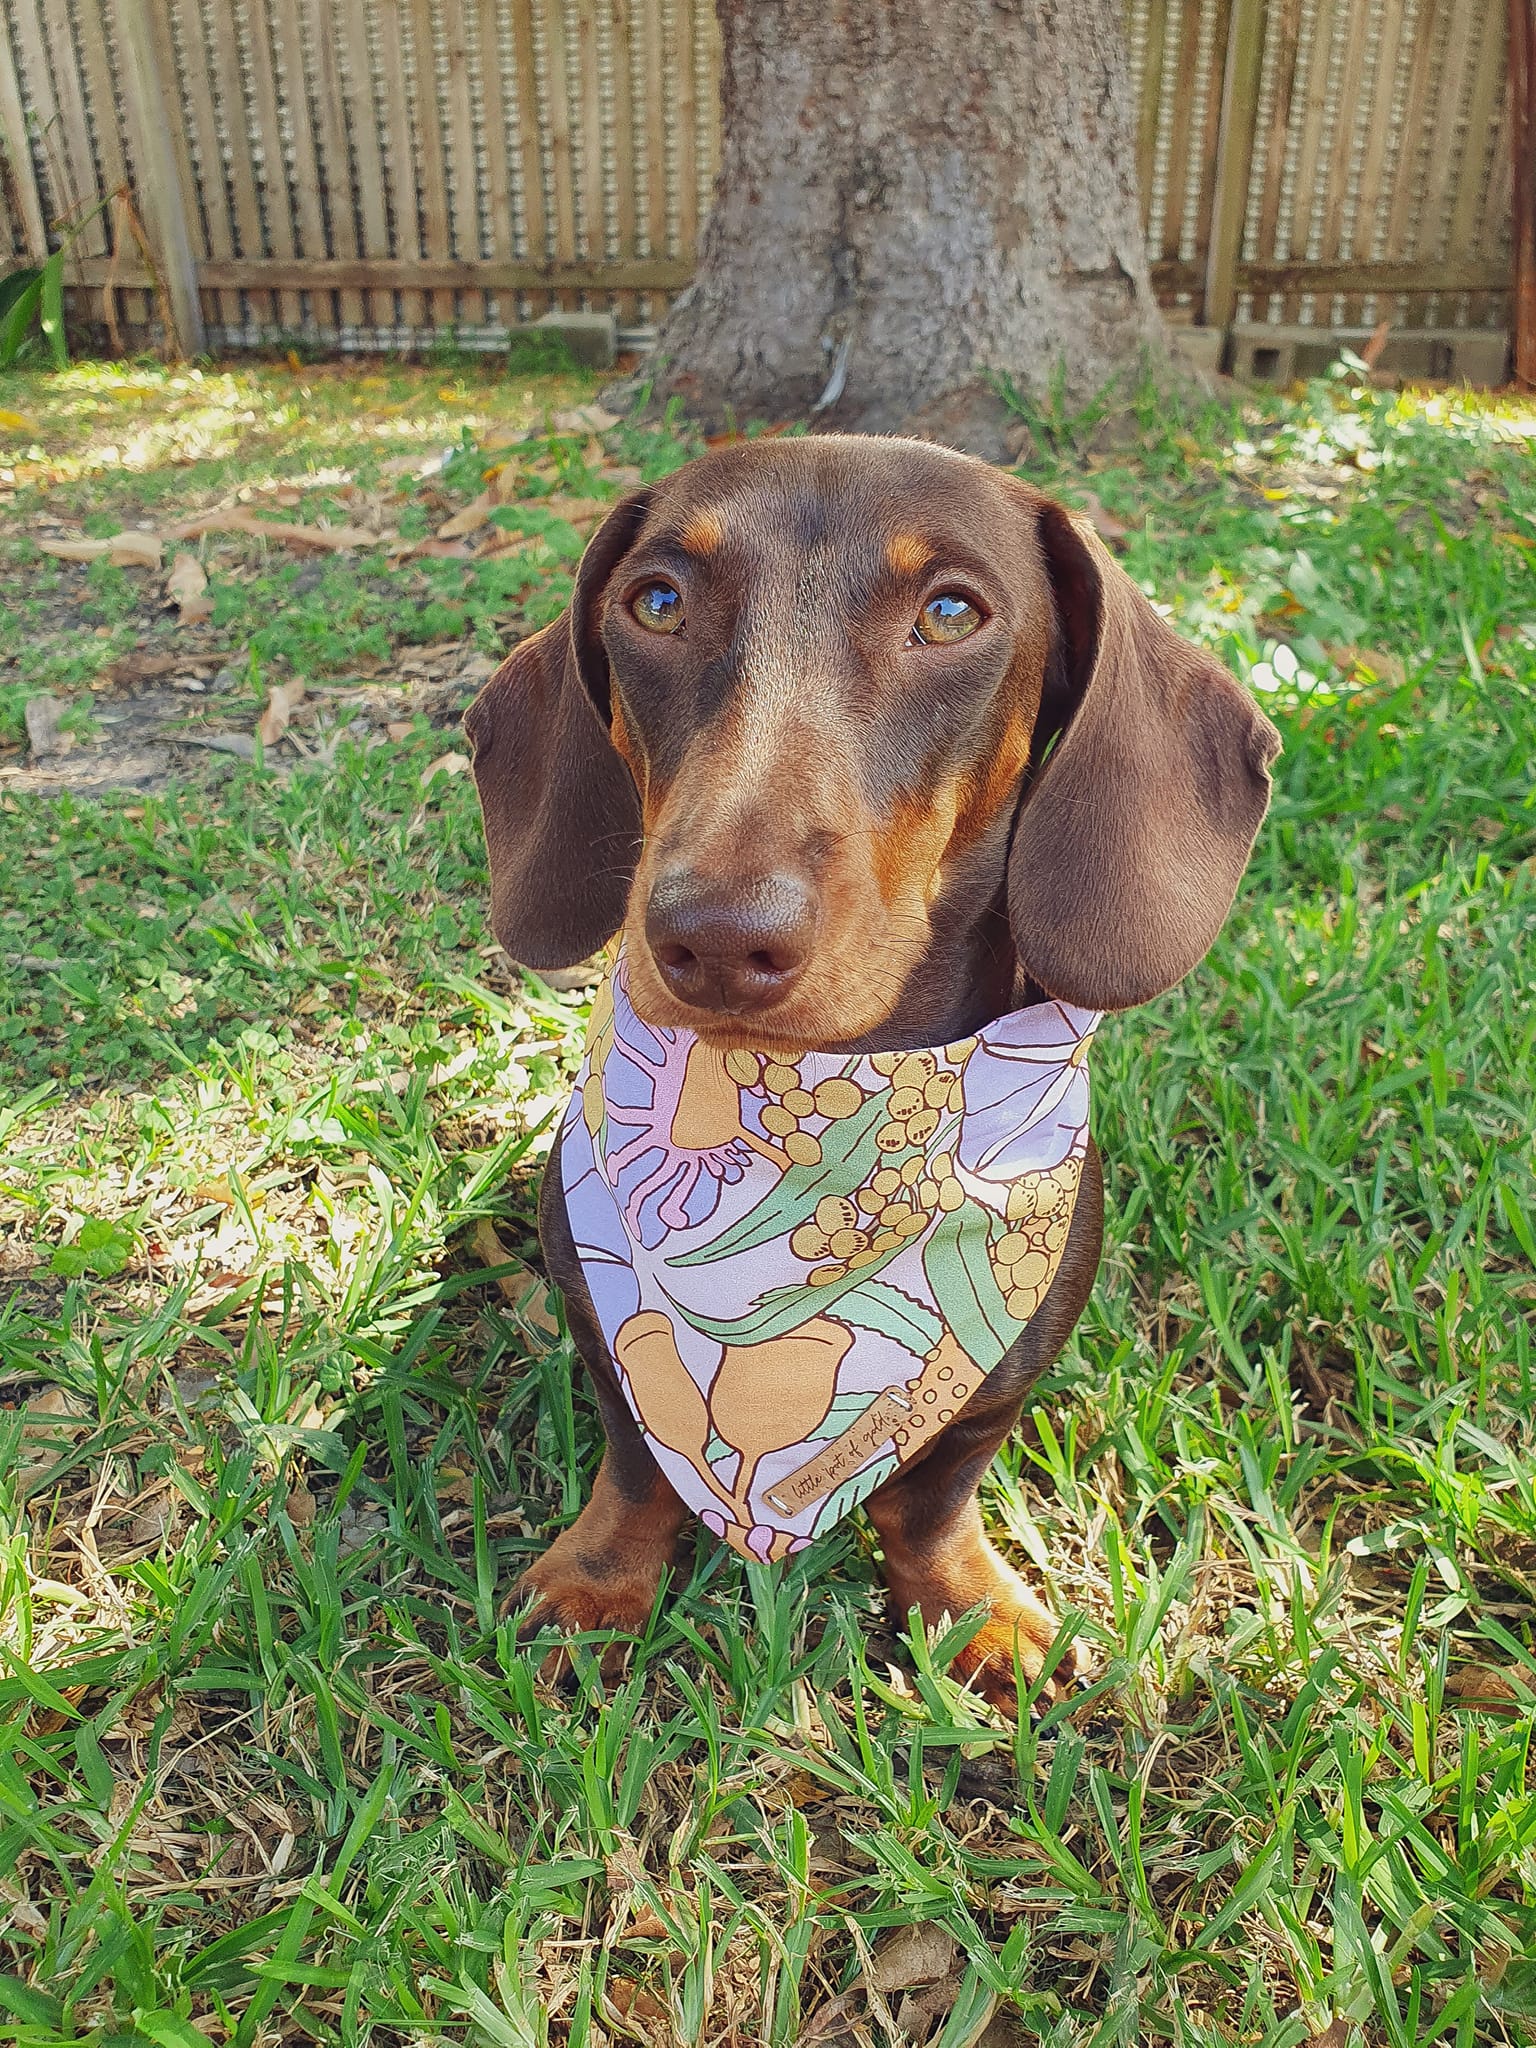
734	950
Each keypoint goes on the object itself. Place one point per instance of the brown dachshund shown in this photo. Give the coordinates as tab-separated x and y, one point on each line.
860	744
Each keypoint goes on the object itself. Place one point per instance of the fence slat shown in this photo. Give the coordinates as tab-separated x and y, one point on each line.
402	165
1234	158
150	95
20	178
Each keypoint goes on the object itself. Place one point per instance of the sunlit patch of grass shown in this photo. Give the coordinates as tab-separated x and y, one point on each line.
273	1443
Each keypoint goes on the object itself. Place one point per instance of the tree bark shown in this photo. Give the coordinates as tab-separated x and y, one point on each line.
915	197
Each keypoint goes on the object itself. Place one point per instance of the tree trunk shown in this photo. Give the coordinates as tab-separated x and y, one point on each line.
914	197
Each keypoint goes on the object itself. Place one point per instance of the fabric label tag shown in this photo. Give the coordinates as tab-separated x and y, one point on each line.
842	1457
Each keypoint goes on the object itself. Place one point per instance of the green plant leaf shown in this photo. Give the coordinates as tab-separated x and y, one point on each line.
20	296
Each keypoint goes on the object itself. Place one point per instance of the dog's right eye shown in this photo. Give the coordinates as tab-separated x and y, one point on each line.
658	608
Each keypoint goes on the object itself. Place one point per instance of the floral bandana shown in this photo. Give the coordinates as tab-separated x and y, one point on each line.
804	1266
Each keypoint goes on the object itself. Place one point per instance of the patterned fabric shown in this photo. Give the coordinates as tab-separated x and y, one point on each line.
805	1264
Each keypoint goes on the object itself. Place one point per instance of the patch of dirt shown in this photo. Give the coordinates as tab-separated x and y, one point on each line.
153	730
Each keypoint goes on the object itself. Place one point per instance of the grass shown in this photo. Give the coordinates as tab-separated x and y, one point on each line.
274	1441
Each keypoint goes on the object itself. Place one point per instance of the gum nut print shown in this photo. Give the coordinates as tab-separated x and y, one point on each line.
666	1394
768	1396
677	1139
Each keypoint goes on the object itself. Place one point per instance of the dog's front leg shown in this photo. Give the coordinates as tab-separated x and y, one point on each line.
605	1570
937	1554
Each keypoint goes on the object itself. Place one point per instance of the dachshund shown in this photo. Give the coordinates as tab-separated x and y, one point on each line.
856	745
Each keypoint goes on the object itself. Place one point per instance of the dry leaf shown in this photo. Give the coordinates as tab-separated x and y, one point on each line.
1104	524
525	1289
187	587
1488	1689
632	2001
22	1912
585	419
329	539
42	715
1370	354
1386	667
473	516
399	728
920	1954
131	550
18	423
282	701
445	764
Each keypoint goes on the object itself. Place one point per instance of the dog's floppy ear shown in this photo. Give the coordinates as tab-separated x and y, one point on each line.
1134	830
562	818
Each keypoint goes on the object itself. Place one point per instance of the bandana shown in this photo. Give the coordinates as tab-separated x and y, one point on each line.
805	1264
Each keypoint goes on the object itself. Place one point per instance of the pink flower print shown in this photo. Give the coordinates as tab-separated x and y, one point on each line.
658	1101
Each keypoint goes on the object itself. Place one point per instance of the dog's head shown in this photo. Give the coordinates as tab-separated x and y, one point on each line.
810	696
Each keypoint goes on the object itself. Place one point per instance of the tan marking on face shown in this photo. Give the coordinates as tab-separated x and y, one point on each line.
984	793
906	553
704	532
909	846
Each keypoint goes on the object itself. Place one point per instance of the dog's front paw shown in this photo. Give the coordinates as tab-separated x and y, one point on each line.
605	1571
1018	1620
944	1581
574	1588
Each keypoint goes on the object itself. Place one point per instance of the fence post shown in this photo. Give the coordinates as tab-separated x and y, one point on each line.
1234	158
154	116
18	173
1522	129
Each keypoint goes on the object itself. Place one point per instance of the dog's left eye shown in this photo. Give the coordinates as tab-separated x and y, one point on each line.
658	607
944	619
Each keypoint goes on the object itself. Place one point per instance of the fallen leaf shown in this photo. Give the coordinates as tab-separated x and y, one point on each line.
131	550
474	515
329	539
1377	662
399	728
518	1288
585	419
1487	1689
1370	354
282	701
445	764
919	1954
301	1507
22	1912
138	668
632	2001
17	423
42	715
187	587
1104	524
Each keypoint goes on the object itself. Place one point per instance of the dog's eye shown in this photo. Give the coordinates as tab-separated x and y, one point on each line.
946	618
658	608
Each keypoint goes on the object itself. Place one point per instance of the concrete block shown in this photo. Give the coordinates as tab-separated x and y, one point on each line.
592	338
1200	347
1481	358
1263	355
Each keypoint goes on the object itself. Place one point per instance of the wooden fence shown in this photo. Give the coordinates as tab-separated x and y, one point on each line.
363	171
